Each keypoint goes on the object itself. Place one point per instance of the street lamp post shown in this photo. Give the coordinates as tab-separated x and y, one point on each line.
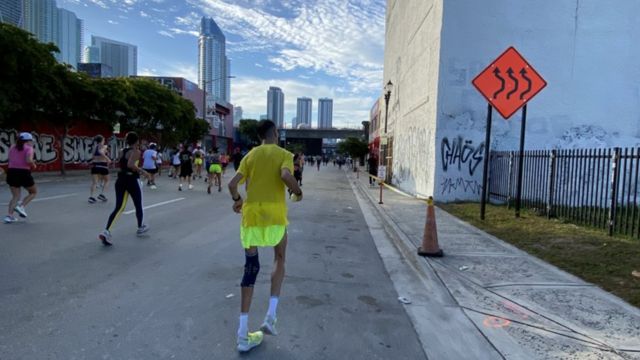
387	95
204	94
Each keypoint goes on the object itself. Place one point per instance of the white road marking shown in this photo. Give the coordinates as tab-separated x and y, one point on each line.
155	205
48	198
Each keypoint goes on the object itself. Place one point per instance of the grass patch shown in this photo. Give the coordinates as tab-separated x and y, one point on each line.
587	253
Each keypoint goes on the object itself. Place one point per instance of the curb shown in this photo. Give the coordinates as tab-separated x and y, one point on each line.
403	243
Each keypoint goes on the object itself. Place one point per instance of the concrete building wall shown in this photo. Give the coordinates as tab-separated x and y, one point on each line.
583	48
412	45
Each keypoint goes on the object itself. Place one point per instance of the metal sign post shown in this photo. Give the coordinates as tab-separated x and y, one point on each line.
521	161
485	173
508	83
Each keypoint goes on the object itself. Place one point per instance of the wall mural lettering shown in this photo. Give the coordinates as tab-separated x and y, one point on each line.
461	152
77	149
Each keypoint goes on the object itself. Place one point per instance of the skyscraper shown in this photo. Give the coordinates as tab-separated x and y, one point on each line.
275	106
122	57
11	12
303	111
51	24
325	113
213	64
91	55
70	37
41	19
237	115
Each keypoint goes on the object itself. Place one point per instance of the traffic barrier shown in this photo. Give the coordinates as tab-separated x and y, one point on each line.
430	246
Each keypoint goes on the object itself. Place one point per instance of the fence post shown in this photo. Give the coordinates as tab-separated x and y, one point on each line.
509	182
552	179
615	175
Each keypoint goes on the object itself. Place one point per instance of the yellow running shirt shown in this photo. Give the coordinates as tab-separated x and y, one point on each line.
264	212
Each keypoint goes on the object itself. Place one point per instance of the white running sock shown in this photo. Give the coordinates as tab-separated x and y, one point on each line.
243	329
273	304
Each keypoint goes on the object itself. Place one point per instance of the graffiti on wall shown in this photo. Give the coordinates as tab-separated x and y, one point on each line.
43	146
77	149
460	185
412	170
460	152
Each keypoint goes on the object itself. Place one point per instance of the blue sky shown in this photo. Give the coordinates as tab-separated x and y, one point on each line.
313	48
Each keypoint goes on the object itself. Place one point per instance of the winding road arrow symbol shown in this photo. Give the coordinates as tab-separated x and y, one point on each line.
523	73
515	81
496	72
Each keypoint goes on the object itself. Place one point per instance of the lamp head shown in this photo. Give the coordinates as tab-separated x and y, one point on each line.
388	87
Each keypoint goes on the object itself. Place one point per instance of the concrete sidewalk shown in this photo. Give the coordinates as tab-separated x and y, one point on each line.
489	300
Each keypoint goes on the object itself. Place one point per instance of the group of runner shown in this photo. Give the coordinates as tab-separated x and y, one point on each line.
266	171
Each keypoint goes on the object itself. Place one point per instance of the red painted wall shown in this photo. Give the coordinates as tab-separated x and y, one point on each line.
77	149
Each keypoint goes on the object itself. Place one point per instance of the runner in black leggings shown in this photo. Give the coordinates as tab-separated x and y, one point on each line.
128	184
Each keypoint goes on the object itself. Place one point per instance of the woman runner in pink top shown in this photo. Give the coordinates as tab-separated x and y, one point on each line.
19	176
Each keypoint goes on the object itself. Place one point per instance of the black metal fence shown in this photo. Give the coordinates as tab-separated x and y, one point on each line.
594	187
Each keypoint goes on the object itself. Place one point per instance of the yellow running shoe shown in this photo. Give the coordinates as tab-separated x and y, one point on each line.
252	340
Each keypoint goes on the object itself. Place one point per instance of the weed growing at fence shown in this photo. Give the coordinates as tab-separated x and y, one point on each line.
585	252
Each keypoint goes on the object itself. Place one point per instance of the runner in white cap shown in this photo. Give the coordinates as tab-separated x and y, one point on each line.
21	163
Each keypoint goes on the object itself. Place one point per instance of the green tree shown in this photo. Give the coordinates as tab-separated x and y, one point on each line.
160	114
24	63
354	147
71	100
249	129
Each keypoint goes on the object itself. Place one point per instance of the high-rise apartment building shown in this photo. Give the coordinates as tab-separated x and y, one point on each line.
237	115
50	24
91	55
122	57
11	12
41	19
325	113
303	112
275	106
70	38
213	64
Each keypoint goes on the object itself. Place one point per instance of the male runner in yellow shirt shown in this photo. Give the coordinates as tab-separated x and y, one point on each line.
266	170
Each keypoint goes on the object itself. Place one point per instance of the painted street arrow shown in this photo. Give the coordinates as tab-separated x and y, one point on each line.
515	81
523	73
496	72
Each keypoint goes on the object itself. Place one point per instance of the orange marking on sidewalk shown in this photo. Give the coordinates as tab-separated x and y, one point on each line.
495	322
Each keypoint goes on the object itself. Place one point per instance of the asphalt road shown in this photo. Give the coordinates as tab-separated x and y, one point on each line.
174	293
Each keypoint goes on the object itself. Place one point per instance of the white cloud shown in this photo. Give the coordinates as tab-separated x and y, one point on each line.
344	39
165	33
100	3
183	32
143	14
148	72
113	22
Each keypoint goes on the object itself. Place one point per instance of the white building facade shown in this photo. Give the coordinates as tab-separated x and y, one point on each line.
120	56
275	106
325	113
434	48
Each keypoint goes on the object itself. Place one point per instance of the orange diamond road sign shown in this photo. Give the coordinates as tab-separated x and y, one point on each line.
509	82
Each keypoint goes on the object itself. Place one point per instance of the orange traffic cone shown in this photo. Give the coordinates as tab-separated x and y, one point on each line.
430	246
